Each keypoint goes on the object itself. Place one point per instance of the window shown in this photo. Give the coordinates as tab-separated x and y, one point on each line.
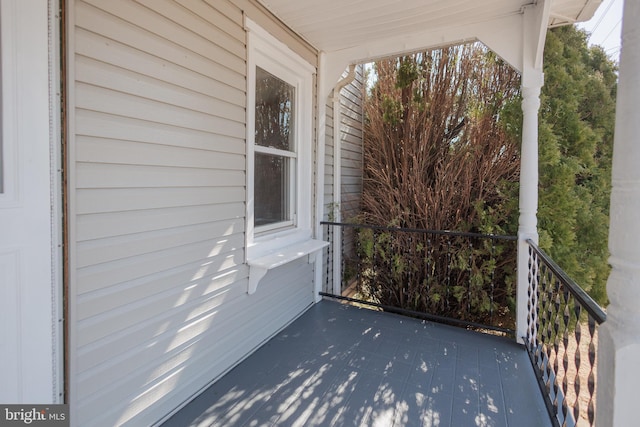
275	152
279	144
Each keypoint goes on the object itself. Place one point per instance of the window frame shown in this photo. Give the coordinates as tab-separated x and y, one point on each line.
274	57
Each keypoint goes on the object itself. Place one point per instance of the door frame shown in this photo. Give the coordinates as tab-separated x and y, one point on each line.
31	98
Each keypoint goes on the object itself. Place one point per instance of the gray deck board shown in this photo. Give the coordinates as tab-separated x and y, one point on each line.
339	365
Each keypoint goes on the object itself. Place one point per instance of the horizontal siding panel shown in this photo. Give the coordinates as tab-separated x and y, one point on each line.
138	371
295	277
221	13
352	95
350	189
351	109
210	334
97	226
227	8
351	202
351	99
209	356
107	101
92	123
351	158
352	167
147	310
96	47
112	77
109	26
94	252
203	25
127	199
102	150
351	180
107	175
153	22
133	340
354	123
112	273
351	141
190	281
351	206
355	146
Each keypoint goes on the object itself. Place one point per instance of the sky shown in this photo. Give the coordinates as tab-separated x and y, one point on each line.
605	27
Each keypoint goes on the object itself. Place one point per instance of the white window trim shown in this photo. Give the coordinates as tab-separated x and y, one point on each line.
274	247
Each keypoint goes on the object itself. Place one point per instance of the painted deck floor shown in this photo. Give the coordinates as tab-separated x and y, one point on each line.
339	365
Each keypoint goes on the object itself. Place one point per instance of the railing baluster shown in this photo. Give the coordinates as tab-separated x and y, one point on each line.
557	330
329	258
591	382
428	272
577	309
358	261
448	299
565	357
343	285
531	339
470	272
560	327
492	264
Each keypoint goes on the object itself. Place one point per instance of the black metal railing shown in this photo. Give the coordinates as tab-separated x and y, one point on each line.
561	340
465	279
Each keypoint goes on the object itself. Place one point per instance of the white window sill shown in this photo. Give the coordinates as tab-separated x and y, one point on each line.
258	267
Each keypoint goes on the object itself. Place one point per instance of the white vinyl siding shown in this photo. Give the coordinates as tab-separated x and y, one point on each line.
351	149
351	163
158	294
351	128
329	197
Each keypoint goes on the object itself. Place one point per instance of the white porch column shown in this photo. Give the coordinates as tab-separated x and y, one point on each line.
527	223
619	336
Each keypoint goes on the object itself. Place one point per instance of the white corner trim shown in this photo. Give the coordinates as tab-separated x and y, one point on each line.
259	267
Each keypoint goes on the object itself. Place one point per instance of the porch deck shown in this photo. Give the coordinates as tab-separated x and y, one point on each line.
339	365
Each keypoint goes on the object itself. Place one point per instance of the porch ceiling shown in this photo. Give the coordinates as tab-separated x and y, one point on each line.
333	25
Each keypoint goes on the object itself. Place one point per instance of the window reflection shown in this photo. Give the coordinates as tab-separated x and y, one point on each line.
274	111
272	197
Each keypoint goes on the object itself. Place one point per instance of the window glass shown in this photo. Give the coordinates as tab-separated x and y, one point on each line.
274	111
272	189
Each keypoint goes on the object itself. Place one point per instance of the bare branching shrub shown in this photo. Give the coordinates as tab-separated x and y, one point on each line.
438	157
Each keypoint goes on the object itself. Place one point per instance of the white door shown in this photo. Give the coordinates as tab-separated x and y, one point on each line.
29	294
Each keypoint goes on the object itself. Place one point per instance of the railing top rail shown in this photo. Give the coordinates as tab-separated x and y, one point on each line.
420	230
587	302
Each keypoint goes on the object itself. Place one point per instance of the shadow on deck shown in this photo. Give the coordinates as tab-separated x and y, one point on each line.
339	365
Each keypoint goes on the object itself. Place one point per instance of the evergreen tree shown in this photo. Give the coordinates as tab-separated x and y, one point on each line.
577	115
